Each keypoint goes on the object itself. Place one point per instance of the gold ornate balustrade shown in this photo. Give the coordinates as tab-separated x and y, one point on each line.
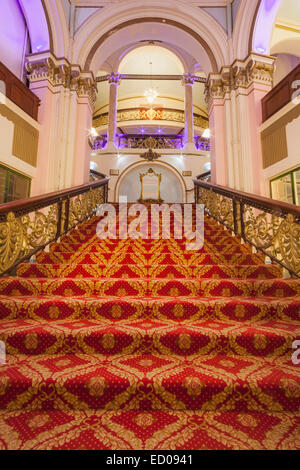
143	114
29	225
272	227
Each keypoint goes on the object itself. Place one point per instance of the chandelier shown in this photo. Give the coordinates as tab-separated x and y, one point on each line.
150	93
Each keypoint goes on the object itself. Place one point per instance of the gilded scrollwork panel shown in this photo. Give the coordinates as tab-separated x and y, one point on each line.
276	235
21	236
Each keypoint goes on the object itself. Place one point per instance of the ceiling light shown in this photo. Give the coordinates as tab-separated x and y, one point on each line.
93	132
150	95
206	134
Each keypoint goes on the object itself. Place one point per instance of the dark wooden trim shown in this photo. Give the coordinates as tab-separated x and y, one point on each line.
96	173
204	175
18	92
280	95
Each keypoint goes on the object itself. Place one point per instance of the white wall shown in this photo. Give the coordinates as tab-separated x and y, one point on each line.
292	134
170	184
285	63
6	138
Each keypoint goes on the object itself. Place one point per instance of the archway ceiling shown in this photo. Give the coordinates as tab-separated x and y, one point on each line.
191	25
216	8
286	33
192	55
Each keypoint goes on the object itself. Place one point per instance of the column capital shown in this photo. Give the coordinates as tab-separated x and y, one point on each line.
60	73
114	78
188	79
255	69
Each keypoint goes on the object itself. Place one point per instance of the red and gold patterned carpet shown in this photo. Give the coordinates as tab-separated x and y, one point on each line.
140	344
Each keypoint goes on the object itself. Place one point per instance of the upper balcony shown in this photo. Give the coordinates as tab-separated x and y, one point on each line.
281	94
18	93
173	142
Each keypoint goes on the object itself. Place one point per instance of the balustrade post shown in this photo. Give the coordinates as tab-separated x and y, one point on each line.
67	213
59	218
242	223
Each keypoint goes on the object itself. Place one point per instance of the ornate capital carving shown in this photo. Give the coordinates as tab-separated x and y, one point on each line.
188	79
114	78
241	74
59	72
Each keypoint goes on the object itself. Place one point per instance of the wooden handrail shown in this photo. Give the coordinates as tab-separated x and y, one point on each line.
97	174
280	95
204	175
23	206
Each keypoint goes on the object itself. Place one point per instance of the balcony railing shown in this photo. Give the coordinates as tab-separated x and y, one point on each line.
29	225
270	226
17	92
202	144
98	143
151	142
280	95
159	142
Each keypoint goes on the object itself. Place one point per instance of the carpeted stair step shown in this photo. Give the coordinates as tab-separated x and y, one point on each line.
161	308
202	337
94	248
148	430
34	270
276	288
190	259
149	382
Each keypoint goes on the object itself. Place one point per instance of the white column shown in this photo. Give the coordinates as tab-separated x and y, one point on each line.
188	82
114	81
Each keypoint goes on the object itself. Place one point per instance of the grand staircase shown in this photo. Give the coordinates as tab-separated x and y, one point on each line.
141	344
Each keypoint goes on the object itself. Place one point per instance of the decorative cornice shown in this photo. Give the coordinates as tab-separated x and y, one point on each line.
59	72
256	68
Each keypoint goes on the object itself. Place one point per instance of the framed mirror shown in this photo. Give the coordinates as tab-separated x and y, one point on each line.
150	187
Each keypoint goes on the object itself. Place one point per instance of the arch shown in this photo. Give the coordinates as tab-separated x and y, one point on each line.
195	24
263	26
243	29
144	163
38	25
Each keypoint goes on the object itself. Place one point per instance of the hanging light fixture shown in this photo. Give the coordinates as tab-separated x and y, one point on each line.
150	94
206	134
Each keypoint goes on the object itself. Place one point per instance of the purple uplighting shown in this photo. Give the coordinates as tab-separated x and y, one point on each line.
264	25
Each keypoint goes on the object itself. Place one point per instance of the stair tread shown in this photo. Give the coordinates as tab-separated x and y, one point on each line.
202	382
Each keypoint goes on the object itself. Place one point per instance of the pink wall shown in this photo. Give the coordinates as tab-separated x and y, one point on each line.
46	112
82	148
218	144
255	118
